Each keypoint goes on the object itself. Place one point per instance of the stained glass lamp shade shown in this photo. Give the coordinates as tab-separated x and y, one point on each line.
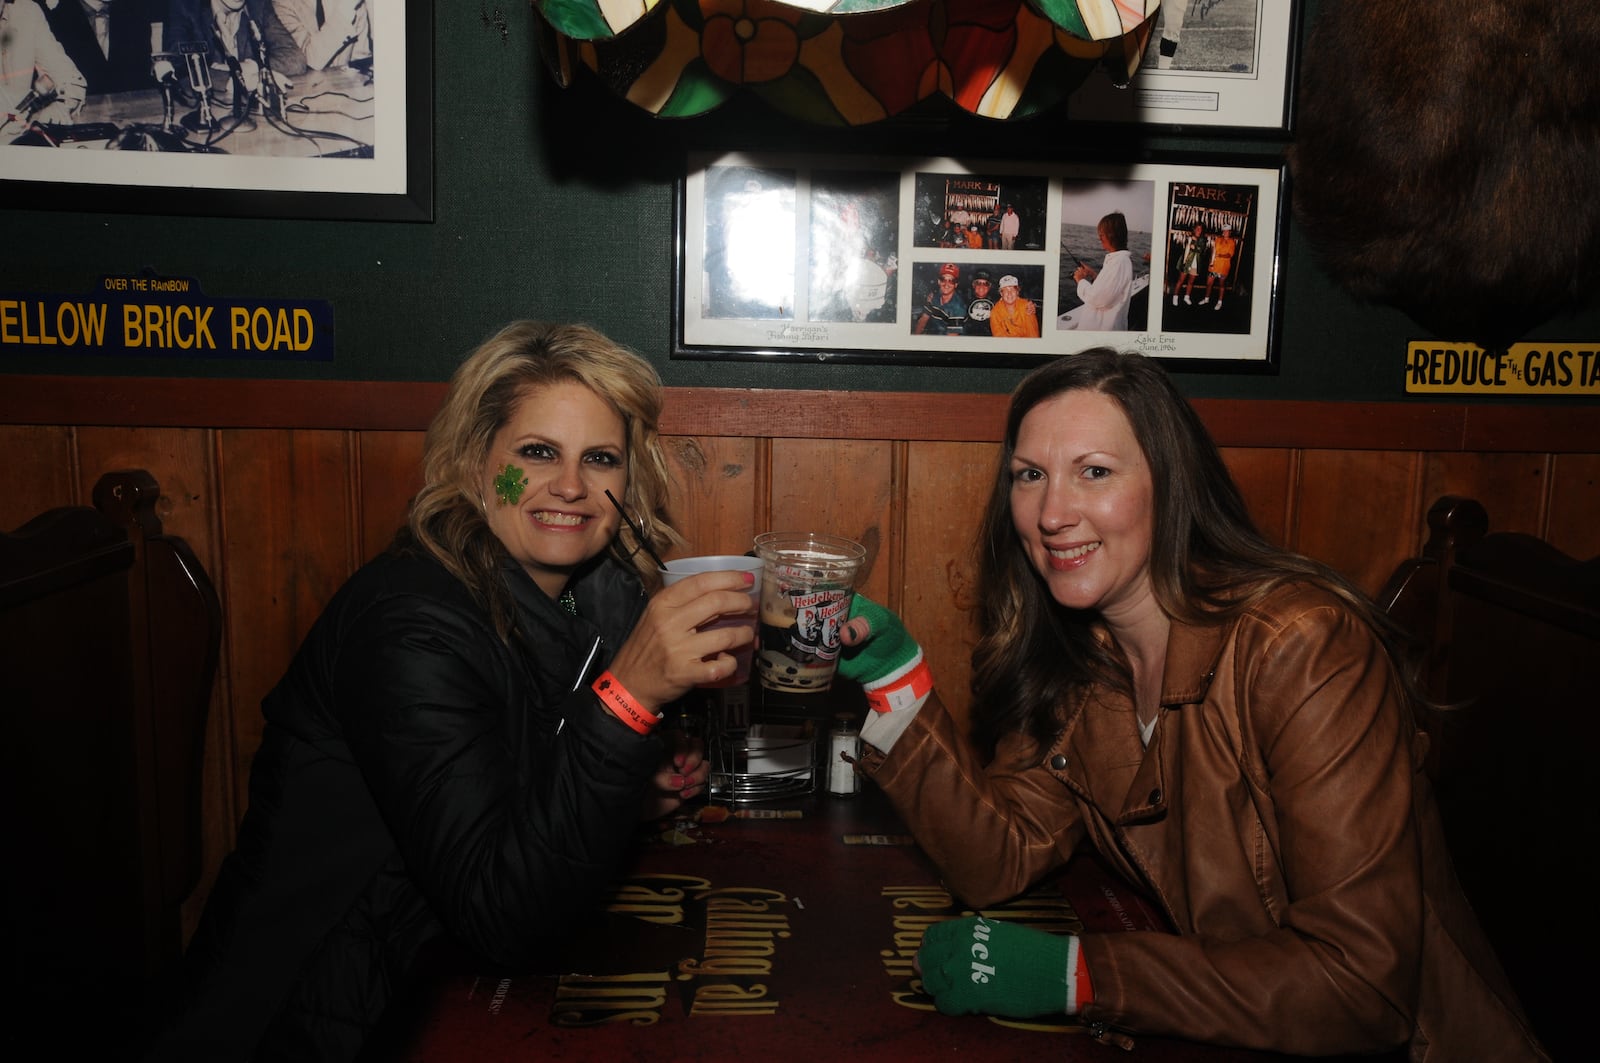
845	62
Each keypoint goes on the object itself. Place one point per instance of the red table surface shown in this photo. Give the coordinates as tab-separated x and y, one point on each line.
774	939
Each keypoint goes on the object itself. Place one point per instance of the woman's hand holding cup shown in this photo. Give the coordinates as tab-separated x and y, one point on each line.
675	646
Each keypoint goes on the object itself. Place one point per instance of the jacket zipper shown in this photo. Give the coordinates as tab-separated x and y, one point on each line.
594	651
1107	1036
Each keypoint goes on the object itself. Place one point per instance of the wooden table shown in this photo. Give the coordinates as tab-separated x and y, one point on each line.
773	939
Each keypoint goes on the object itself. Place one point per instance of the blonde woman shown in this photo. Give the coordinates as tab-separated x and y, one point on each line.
463	746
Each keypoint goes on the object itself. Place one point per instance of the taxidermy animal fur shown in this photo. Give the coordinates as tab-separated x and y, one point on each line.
1447	158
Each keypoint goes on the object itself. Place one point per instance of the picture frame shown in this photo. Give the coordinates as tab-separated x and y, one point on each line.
351	141
1229	65
818	258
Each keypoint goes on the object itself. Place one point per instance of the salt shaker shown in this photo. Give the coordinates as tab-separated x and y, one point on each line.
843	740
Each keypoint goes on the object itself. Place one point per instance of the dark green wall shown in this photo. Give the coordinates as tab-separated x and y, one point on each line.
558	204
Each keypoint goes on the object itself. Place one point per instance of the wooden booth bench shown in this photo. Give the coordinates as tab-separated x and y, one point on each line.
110	633
1507	629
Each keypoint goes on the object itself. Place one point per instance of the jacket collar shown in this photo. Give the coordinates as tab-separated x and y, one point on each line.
610	601
1192	654
1123	774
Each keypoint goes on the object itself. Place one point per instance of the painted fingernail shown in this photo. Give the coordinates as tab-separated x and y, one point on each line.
678	782
749	579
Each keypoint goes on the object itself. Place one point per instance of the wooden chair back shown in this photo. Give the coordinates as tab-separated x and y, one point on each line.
110	632
1508	634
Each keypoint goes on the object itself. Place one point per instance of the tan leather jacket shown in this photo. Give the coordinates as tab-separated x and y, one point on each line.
1279	818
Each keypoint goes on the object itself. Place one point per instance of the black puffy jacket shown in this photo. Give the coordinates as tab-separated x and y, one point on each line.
416	776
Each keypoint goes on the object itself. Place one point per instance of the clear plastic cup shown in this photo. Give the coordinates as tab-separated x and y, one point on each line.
806	590
688	566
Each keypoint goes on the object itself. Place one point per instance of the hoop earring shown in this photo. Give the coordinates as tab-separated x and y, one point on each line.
633	526
637	528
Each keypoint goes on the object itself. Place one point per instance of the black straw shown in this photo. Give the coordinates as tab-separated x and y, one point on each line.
637	534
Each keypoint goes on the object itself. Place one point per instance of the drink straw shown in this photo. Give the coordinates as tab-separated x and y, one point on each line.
637	534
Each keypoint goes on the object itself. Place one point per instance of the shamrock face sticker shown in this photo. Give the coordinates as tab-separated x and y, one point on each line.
509	485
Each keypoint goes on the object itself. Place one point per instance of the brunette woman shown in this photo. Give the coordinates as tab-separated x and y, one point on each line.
1221	720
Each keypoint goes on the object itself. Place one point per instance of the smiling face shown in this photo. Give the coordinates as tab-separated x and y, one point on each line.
1083	504
980	289
571	446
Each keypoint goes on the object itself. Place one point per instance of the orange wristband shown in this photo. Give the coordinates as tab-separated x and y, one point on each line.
904	692
614	696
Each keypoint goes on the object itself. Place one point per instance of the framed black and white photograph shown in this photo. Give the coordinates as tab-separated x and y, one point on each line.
1213	63
880	260
253	108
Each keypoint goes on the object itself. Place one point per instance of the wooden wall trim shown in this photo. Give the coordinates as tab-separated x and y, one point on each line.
805	414
189	402
797	414
1520	428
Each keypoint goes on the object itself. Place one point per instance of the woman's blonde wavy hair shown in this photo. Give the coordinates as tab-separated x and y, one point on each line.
447	519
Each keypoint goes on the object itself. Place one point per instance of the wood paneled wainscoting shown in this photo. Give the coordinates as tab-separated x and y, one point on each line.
283	488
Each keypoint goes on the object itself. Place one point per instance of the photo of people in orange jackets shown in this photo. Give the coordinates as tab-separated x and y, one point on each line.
1210	258
964	297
